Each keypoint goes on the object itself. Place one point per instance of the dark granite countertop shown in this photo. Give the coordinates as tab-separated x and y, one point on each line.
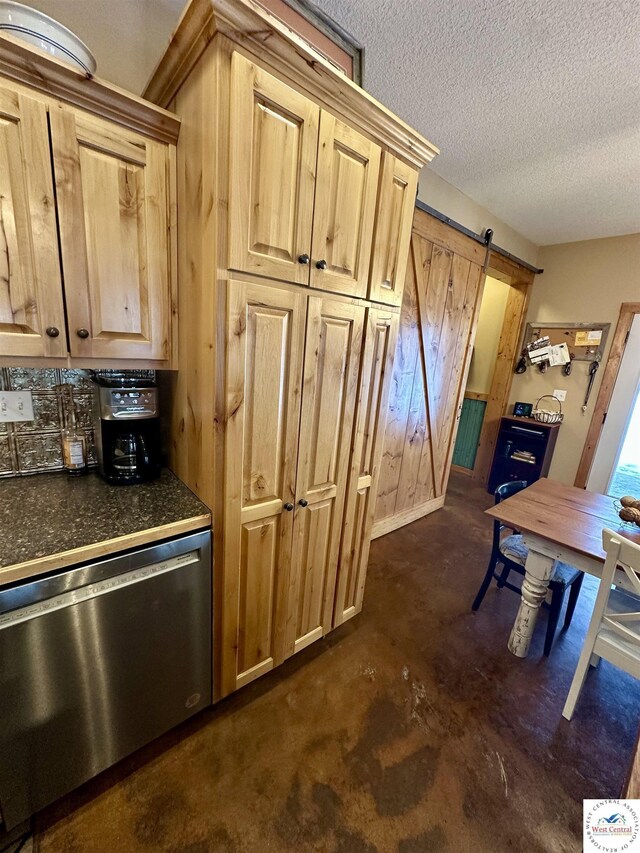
46	520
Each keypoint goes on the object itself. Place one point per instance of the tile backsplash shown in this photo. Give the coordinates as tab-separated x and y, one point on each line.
34	446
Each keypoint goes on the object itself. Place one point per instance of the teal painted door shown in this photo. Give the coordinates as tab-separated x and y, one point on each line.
466	447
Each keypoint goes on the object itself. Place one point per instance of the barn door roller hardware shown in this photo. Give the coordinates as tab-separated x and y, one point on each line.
479	238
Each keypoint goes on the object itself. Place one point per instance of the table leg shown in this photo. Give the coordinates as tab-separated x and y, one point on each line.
538	571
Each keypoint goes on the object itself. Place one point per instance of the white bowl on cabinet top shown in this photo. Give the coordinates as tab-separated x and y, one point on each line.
44	32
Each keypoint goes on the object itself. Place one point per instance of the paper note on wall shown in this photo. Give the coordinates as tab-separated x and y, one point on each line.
540	354
590	338
559	354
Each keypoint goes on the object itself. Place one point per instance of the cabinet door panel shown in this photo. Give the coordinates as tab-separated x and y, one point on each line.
265	333
258	570
314	528
347	184
274	138
371	414
332	359
394	214
30	282
112	188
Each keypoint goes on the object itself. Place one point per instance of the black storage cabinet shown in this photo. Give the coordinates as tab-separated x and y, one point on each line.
522	434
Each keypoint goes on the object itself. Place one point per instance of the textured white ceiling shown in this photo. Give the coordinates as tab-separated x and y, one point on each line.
535	104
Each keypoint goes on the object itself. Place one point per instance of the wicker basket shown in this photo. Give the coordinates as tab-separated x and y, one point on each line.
546	417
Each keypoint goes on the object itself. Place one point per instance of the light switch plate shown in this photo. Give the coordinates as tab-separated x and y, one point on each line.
561	395
16	406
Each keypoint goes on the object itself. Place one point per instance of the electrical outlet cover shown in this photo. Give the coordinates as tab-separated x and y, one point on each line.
16	406
561	395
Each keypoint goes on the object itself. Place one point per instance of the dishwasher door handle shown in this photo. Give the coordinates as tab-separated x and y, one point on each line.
94	590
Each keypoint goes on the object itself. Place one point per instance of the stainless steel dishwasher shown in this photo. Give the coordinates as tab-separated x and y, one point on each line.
97	661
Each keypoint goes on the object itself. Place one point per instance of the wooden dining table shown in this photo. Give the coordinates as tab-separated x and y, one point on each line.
557	522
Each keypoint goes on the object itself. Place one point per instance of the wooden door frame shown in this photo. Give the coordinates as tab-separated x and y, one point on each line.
519	280
628	311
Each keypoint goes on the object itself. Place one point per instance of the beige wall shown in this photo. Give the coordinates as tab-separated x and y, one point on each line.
148	24
436	192
485	347
582	282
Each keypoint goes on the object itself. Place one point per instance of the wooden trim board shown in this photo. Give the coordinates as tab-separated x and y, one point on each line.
459	469
24	64
94	363
63	559
194	31
393	522
328	37
508	270
628	311
449	238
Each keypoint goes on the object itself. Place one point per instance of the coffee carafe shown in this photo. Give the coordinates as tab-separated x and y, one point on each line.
127	429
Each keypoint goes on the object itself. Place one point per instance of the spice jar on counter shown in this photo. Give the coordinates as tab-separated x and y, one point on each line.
74	447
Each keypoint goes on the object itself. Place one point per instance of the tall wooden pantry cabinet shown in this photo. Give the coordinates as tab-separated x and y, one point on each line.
295	198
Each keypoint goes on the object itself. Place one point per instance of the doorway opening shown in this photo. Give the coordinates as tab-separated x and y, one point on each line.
608	428
516	281
626	475
616	464
483	359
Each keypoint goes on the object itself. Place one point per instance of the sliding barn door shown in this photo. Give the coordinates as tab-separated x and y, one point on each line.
438	318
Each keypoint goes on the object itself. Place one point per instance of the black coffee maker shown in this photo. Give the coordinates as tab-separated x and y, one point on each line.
127	428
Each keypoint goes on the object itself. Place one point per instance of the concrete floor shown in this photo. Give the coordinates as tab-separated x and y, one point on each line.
410	729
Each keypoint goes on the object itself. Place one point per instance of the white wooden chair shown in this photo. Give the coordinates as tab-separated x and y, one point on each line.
614	630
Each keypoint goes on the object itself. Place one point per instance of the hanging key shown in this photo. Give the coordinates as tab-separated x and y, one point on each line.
592	375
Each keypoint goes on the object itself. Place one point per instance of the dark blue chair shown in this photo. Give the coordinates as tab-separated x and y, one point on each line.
511	553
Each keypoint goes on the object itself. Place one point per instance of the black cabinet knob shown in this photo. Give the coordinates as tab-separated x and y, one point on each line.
302	502
288	507
321	265
82	333
52	331
304	259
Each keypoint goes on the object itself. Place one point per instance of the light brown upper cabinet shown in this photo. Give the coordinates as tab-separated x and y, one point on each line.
396	201
87	219
302	187
113	213
346	188
30	286
273	146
